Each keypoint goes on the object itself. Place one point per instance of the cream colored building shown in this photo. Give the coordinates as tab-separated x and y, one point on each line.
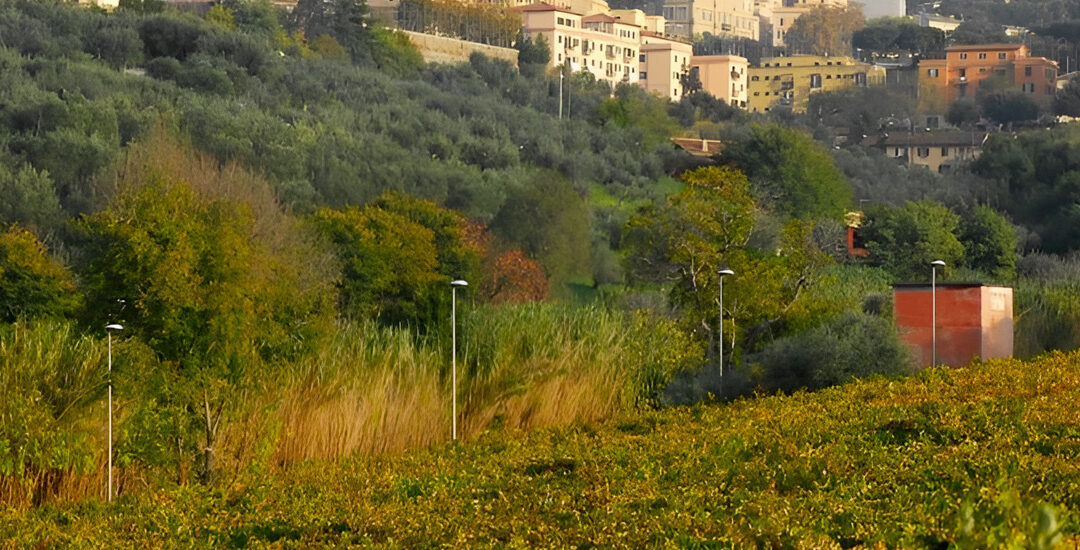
649	23
106	4
723	76
939	152
786	12
662	64
788	82
604	46
693	18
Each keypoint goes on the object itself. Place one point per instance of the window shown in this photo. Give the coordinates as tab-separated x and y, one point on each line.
815	80
963	56
860	79
1028	87
932	122
757	93
754	78
944	151
963	73
1027	70
923	152
828	77
932	72
1051	74
1002	55
641	58
766	94
982	56
642	75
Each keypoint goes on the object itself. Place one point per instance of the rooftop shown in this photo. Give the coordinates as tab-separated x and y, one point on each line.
929	139
699	147
984	47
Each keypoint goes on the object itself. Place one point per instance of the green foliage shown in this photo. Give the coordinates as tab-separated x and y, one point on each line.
31	283
1040	172
49	375
1006	107
989	242
886	35
389	262
27	197
791	173
1067	100
904	240
963	112
547	218
221	16
397	252
853	345
824	30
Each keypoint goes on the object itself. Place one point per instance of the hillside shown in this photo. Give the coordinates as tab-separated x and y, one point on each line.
983	456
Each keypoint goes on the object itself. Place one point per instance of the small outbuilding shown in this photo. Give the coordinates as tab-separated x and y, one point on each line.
973	321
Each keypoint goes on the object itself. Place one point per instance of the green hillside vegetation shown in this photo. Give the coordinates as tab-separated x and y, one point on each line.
979	457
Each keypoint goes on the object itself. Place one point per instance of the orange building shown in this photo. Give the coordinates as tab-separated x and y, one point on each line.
942	81
973	320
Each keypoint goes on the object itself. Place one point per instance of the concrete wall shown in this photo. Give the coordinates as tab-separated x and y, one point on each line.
442	49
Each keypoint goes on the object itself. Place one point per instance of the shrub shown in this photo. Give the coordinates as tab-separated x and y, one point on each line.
854	345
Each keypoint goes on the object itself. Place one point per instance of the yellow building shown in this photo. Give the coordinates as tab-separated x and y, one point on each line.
663	63
693	18
723	76
604	46
787	82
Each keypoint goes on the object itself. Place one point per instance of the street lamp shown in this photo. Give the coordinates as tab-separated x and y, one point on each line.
108	331
453	353
721	273
933	308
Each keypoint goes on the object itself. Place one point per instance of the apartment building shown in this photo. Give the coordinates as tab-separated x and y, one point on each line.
692	18
651	23
938	151
601	44
662	64
787	82
942	81
723	76
786	12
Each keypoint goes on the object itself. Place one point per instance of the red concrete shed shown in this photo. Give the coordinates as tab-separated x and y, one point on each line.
973	320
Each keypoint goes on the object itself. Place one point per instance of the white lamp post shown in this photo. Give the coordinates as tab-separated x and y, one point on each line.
933	308
722	272
453	352
108	331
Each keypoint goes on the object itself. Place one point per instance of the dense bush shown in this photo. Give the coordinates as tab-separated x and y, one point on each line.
854	345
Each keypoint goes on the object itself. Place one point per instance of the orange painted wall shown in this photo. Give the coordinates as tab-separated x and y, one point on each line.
965	331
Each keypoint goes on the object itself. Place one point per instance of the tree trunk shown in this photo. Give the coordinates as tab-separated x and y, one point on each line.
211	422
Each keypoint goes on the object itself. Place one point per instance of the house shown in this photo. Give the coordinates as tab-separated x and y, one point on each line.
723	76
787	82
938	151
663	63
942	81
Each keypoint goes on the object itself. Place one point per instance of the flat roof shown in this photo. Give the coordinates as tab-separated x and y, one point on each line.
980	47
920	286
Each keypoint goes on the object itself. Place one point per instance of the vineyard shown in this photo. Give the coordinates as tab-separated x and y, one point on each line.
978	457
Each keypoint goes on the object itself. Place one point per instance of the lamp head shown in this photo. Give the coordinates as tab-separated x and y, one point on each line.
937	263
725	271
114	326
458	282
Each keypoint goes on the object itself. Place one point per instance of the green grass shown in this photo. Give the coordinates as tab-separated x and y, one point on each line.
980	457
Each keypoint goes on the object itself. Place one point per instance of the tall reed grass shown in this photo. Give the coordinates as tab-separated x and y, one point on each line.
367	389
